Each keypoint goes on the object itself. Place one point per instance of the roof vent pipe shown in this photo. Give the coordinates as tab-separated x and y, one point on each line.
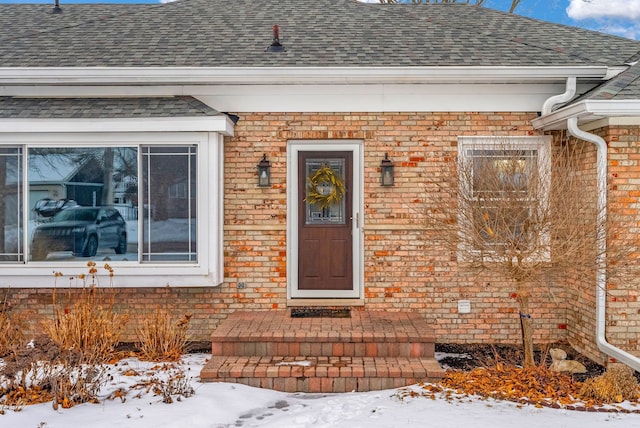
567	95
56	7
276	46
601	272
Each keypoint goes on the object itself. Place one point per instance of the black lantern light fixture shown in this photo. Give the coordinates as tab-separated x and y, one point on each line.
264	172
386	171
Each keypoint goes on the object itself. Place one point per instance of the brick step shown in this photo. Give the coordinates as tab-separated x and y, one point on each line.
324	349
322	374
365	334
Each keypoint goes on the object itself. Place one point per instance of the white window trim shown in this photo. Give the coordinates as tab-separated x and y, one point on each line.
542	144
208	271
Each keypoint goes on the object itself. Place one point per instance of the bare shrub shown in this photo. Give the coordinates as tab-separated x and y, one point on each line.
85	322
518	211
11	329
176	383
162	337
87	329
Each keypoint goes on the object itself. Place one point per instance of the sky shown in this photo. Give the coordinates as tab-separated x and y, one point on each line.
618	17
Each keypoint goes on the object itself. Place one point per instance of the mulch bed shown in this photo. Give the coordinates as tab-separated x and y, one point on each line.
494	371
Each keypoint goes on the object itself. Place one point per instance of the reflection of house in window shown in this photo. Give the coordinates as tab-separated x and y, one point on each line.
125	195
58	176
179	199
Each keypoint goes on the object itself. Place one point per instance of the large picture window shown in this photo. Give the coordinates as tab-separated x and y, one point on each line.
112	203
141	194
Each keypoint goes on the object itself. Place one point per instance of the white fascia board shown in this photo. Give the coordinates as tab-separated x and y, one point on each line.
221	124
284	75
592	109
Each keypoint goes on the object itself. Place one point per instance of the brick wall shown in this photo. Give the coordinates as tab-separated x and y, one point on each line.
403	268
623	308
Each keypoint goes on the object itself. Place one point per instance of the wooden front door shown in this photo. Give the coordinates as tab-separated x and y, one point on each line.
325	242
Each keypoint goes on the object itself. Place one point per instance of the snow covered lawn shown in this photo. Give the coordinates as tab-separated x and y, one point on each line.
216	405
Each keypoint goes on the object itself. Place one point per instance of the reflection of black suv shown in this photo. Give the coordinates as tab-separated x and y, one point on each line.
81	230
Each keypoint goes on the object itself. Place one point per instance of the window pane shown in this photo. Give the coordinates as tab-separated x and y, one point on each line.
169	203
11	241
316	213
83	203
503	196
499	171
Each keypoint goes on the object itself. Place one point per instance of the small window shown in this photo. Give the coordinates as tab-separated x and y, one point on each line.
503	189
11	211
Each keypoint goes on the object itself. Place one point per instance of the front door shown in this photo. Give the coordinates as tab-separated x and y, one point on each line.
324	235
324	216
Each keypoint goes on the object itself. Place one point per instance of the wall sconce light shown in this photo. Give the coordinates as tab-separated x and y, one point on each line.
386	171
264	172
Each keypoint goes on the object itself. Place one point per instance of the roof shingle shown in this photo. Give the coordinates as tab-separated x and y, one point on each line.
213	33
92	108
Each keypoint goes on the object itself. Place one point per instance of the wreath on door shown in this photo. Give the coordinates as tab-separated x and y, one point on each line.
325	187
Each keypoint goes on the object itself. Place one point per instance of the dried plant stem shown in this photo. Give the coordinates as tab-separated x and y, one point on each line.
163	338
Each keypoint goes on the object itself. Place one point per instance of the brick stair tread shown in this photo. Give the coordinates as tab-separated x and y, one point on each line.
321	336
322	374
363	326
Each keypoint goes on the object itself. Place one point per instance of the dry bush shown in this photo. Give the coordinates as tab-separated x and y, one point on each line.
11	329
616	385
73	383
87	329
85	321
161	337
176	384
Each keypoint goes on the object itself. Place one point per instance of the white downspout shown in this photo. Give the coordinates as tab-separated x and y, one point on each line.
567	95
601	243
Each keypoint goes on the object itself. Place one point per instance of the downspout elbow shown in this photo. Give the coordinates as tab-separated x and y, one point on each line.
564	97
601	243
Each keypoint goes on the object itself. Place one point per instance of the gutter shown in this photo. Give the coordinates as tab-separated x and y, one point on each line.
290	75
601	235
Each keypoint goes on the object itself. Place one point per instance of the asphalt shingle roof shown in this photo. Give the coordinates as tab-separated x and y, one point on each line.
625	86
91	108
236	33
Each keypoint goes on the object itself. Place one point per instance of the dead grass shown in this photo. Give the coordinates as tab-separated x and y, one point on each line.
162	337
616	385
85	321
11	329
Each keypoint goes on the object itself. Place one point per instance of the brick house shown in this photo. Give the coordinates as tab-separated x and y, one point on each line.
183	100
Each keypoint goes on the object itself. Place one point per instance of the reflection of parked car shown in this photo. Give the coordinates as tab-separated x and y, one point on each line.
50	207
82	230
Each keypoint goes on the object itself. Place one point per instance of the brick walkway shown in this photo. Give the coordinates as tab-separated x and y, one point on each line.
368	351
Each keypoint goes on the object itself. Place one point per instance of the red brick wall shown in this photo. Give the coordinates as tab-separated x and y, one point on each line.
403	269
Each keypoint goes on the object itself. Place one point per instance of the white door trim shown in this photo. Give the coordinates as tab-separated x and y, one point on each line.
293	148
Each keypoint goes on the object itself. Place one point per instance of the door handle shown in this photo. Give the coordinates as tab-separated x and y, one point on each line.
357	219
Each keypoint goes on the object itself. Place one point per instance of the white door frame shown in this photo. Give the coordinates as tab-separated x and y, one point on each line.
293	148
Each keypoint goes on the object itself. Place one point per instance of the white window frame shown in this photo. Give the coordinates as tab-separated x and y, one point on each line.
542	146
208	270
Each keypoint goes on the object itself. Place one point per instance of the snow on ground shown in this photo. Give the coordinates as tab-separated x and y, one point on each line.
218	405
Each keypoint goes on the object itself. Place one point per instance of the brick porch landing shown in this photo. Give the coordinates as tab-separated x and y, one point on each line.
368	351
